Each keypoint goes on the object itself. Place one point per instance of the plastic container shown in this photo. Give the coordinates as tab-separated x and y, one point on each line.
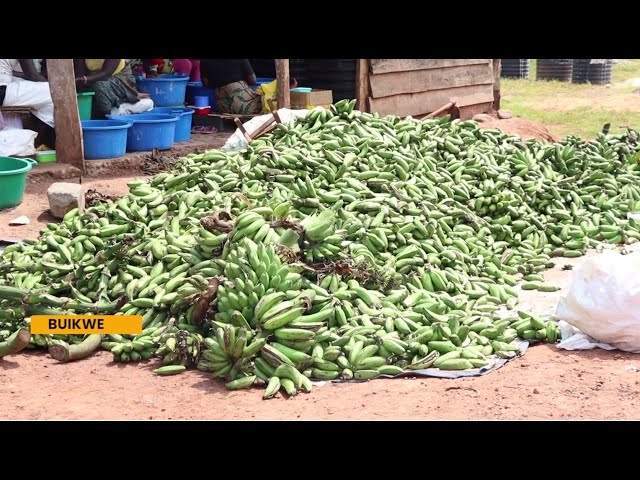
600	71
13	179
85	101
165	90
201	101
201	110
104	138
193	91
185	120
580	70
301	90
560	69
46	156
514	68
149	131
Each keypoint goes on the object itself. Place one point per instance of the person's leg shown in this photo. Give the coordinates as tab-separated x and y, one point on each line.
24	93
195	71
239	98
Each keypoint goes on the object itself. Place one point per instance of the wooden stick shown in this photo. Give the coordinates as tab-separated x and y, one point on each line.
442	109
242	129
274	110
263	128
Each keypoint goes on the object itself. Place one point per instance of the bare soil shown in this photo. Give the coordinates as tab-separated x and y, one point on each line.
35	204
520	126
546	383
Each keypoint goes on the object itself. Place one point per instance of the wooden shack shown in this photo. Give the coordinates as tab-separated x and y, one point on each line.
418	86
401	87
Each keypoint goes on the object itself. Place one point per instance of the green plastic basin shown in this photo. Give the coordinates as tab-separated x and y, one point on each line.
13	180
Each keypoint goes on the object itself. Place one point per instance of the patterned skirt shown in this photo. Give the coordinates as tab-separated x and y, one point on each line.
239	98
111	93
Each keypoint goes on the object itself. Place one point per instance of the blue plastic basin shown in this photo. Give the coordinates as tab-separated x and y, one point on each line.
201	91
149	131
104	138
165	90
185	118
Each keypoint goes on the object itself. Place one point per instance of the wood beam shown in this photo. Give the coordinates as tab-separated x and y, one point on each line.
282	76
62	83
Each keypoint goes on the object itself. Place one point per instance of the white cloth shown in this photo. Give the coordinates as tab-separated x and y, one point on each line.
7	67
143	105
22	93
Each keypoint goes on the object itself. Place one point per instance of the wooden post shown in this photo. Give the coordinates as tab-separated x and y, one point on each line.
496	83
362	83
62	83
282	75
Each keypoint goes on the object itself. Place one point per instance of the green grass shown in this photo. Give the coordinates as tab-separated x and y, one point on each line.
625	71
581	110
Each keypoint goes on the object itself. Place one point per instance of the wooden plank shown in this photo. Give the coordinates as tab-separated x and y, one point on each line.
423	102
231	116
496	83
62	83
387	84
445	108
473	99
388	65
282	76
362	84
17	109
242	129
467	112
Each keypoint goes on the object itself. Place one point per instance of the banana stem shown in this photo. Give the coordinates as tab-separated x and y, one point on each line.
16	342
66	353
11	293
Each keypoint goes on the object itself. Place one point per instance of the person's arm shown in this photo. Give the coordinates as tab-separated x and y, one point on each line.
204	72
29	70
108	67
247	71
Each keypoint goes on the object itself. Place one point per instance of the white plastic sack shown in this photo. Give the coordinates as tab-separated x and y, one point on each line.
237	141
574	339
604	300
17	143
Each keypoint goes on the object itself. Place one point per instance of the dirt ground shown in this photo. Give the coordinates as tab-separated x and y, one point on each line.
546	383
520	126
35	204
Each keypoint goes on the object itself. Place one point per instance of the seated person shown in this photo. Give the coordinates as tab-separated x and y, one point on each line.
230	80
113	84
156	66
187	66
22	85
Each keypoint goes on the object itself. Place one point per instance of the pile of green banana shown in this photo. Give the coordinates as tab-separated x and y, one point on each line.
174	345
343	246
